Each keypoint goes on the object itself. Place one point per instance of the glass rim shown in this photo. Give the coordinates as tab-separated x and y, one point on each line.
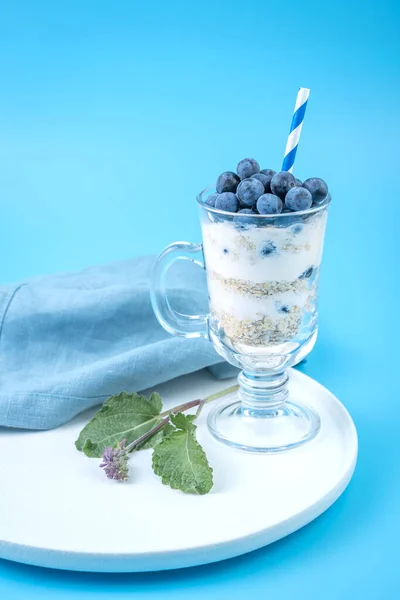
298	213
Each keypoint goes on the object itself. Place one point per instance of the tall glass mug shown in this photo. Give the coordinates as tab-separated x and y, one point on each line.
262	277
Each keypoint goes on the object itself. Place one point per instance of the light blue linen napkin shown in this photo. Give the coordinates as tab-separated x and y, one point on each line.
69	341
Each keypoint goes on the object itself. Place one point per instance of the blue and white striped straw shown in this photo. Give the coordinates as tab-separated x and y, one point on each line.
295	129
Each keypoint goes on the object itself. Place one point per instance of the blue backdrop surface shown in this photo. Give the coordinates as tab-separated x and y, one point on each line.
114	115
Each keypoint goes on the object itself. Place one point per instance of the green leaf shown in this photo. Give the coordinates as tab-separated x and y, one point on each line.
155	401
180	461
122	417
184	422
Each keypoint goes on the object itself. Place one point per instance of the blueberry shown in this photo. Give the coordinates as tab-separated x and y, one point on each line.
227	182
317	188
307	273
283	308
225	250
268	204
267	249
281	183
286	221
247	167
268	172
265	180
296	229
211	200
298	198
244	222
298	181
227	201
249	191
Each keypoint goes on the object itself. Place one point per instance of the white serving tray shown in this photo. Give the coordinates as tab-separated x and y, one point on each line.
58	510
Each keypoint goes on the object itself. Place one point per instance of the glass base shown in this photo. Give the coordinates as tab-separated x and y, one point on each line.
263	430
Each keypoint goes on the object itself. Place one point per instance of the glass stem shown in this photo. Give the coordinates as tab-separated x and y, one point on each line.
263	391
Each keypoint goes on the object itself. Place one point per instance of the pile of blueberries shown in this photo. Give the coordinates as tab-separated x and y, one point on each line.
265	192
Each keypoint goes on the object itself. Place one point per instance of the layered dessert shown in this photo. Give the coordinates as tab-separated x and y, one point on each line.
263	248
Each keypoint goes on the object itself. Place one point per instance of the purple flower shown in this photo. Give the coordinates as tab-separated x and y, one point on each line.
115	462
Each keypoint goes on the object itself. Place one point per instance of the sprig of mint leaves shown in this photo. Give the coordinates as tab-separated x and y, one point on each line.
127	423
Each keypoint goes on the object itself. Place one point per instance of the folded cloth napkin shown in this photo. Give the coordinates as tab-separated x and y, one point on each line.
69	341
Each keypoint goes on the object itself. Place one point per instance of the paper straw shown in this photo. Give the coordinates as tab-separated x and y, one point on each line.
295	129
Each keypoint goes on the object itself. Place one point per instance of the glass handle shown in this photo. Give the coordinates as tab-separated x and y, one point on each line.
189	326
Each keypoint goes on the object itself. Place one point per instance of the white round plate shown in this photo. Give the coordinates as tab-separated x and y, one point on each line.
57	509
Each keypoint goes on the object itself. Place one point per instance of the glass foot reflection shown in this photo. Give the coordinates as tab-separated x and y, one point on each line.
263	430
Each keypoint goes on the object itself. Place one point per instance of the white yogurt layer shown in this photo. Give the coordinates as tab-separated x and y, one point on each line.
261	254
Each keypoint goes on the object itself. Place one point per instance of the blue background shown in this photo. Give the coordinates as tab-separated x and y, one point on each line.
113	115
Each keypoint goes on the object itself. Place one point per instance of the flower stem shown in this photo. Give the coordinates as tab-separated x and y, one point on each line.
229	390
225	392
147	435
180	408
